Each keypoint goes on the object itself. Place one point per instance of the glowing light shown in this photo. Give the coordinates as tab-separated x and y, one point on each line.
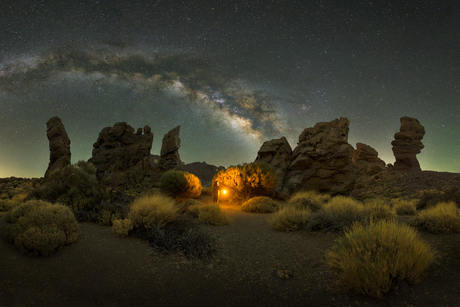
224	192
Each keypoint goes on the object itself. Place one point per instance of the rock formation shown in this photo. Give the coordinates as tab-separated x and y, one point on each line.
170	149
277	153
322	159
203	171
59	143
367	159
118	148
407	144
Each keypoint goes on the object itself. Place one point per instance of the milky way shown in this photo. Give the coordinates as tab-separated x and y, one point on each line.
232	73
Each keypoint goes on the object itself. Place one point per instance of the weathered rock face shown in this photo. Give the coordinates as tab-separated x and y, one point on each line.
407	144
277	153
322	159
367	159
169	155
59	143
118	148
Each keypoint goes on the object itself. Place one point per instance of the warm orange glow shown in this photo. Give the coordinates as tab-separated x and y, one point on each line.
224	192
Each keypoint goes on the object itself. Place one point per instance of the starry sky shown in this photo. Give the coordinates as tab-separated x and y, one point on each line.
232	73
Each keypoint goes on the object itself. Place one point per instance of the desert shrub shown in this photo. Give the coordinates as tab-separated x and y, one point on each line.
156	209
180	184
260	204
378	209
107	217
249	180
122	228
404	206
184	207
309	199
74	185
7	205
290	219
210	214
442	218
371	259
430	200
39	227
338	215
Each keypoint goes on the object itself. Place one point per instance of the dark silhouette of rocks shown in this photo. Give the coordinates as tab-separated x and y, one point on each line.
322	159
407	144
367	159
203	171
119	149
277	153
169	155
59	143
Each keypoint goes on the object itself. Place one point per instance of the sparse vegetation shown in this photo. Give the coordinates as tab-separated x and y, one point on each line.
290	219
371	259
260	204
404	206
38	227
309	199
378	209
180	184
442	218
122	228
210	214
255	179
431	199
152	210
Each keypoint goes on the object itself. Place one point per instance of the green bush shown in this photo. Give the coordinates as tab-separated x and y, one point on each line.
156	209
75	185
249	180
338	215
260	204
38	227
180	184
290	219
309	199
371	259
442	218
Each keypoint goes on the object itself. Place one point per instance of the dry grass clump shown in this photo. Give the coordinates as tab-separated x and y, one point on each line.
6	205
309	199
210	214
155	209
260	204
442	218
184	206
290	218
404	206
372	259
38	227
122	228
338	215
378	209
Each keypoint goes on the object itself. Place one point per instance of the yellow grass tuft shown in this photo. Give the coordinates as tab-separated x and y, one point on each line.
260	204
371	259
378	209
290	218
309	199
210	214
403	206
154	209
442	218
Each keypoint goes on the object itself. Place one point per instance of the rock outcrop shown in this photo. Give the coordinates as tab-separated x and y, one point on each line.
407	144
322	160
277	153
118	148
59	143
367	159
169	155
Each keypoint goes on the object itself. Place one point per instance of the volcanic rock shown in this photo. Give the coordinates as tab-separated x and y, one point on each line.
59	143
277	153
322	159
407	144
203	171
367	159
118	148
170	149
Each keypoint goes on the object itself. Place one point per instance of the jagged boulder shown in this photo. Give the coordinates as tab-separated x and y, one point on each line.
322	160
367	159
59	143
119	149
277	153
407	144
169	155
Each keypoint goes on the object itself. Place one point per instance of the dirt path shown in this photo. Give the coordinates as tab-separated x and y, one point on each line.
104	270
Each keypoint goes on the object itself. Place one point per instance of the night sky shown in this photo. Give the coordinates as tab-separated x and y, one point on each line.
232	73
